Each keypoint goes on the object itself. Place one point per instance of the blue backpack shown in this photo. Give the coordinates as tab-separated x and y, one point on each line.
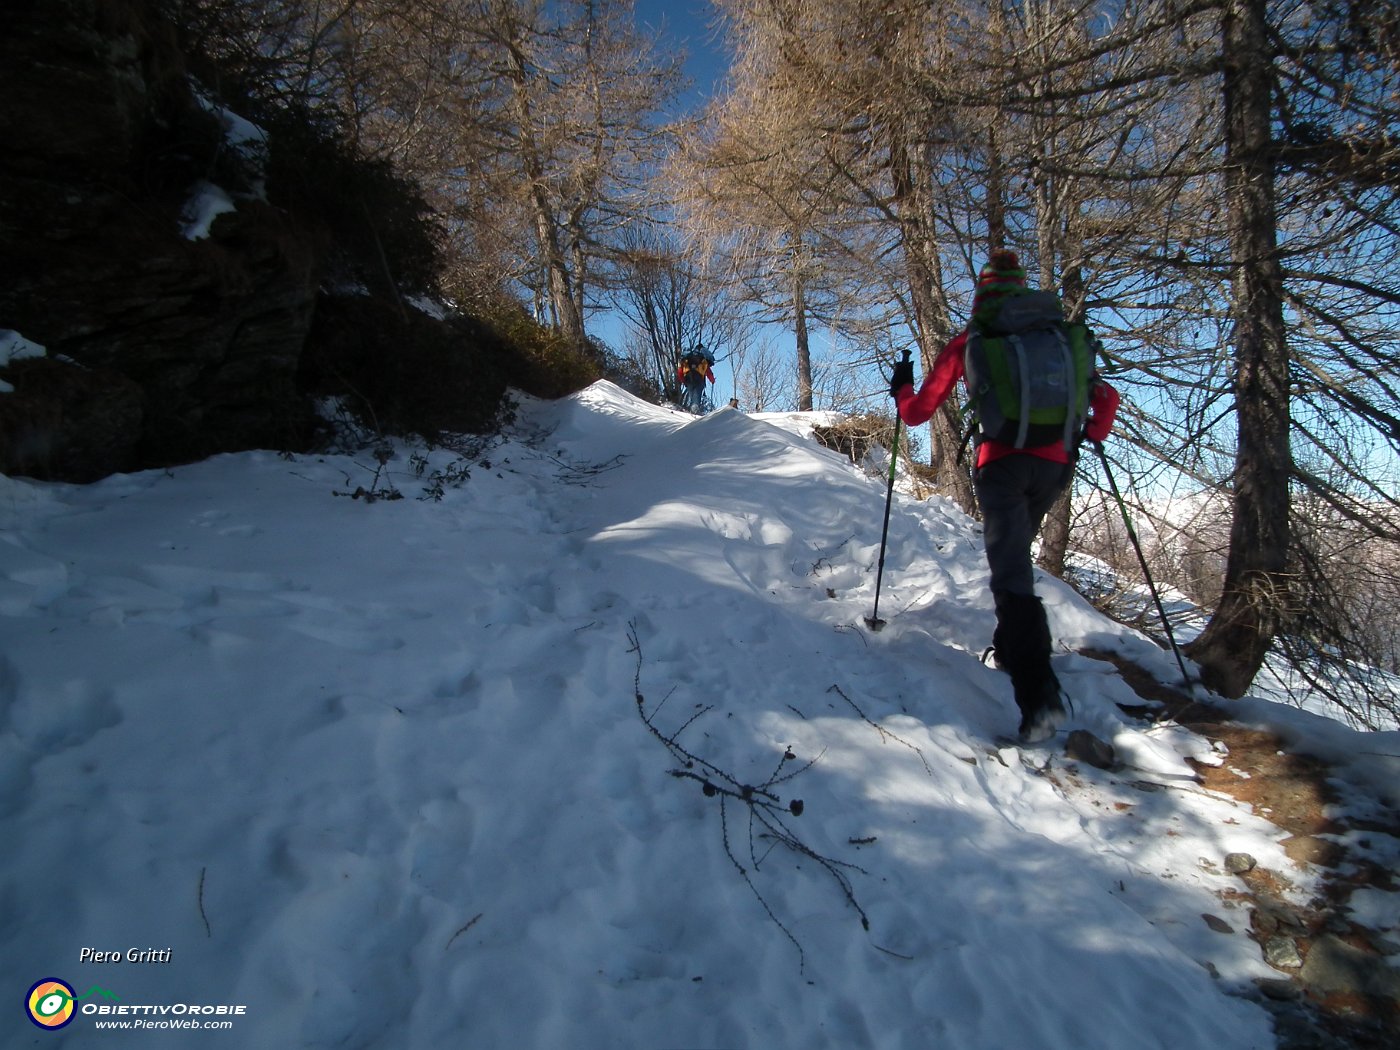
1028	371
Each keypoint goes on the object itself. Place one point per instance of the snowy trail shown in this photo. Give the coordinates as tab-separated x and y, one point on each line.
378	772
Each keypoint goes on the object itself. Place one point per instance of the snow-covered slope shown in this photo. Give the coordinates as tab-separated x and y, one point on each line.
381	774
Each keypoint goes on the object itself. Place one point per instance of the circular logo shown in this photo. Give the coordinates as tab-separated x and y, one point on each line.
50	1003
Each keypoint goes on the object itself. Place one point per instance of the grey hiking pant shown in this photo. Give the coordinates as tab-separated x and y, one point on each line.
1015	493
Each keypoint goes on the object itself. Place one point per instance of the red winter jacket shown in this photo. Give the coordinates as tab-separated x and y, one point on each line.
916	409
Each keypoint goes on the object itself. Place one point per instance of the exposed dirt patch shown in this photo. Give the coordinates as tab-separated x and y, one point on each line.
1289	790
1336	988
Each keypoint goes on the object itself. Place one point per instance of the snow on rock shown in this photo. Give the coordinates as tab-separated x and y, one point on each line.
205	204
208	201
246	139
14	347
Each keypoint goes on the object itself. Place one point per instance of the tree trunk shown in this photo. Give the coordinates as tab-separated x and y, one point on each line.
931	320
996	193
558	281
1052	229
1054	535
1233	646
804	349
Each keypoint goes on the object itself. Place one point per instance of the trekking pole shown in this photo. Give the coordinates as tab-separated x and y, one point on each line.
1142	560
873	621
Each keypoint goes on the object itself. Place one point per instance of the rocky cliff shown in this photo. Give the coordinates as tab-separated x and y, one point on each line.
160	348
173	261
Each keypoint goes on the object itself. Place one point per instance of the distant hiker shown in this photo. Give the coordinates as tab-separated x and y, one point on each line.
1030	423
694	369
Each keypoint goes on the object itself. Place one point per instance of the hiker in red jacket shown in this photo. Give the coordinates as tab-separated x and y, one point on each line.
693	370
1015	489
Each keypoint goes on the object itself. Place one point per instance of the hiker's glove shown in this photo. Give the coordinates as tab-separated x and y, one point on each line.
903	376
1103	409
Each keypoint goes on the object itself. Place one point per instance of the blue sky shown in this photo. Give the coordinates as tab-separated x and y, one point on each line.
689	24
681	24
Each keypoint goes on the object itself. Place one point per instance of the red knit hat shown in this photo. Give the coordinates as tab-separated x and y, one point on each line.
1003	267
1001	276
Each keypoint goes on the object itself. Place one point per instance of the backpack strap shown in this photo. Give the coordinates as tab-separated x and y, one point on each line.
976	388
1071	388
1023	371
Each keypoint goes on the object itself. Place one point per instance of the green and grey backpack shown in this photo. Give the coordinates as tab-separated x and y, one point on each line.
1028	371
